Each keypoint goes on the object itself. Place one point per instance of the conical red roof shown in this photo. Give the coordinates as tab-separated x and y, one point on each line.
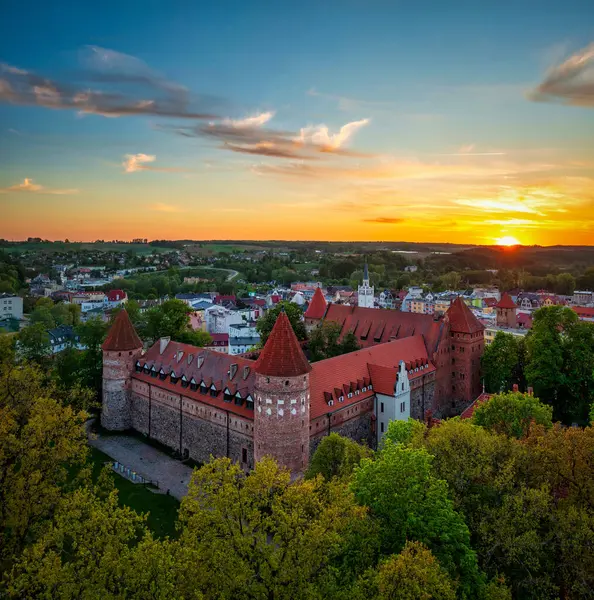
282	355
461	318
506	301
317	306
122	335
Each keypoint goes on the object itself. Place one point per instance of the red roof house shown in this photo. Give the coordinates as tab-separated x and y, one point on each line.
317	306
122	335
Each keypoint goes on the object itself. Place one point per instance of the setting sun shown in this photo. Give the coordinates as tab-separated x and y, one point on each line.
507	240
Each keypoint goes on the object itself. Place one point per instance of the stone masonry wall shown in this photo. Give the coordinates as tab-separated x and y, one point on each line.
418	390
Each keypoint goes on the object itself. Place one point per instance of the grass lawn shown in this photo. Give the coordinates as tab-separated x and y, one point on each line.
162	509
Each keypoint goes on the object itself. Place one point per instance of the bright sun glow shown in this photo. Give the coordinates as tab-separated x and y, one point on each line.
507	240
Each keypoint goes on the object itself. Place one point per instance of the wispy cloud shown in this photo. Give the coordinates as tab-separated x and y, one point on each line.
319	135
142	162
168	208
28	185
571	82
384	220
143	91
247	136
254	121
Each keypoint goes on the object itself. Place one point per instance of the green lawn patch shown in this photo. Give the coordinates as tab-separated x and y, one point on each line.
162	509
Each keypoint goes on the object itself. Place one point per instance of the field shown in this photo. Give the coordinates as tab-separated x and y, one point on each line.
52	247
162	509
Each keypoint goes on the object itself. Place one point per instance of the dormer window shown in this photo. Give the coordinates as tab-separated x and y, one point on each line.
350	395
162	375
364	389
193	385
341	398
249	402
227	395
246	373
173	377
357	392
370	386
184	381
146	369
213	391
138	366
331	402
203	388
153	371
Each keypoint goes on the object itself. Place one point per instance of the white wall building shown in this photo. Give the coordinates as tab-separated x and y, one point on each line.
219	319
11	307
396	407
365	296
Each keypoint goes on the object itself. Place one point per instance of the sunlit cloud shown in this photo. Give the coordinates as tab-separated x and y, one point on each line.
254	121
319	135
29	186
142	162
571	82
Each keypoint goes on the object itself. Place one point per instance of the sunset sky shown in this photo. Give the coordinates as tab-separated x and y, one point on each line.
452	121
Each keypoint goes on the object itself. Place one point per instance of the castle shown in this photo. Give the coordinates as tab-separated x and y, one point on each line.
201	402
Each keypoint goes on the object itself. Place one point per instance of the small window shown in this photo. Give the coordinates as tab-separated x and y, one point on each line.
138	367
350	395
249	403
214	393
382	407
193	386
364	389
402	406
382	427
203	388
244	455
227	397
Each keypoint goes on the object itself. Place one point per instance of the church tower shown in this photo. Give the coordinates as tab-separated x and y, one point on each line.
365	297
121	349
281	418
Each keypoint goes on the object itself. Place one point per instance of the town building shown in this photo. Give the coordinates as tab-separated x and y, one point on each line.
11	306
116	298
365	297
506	310
583	297
63	337
242	338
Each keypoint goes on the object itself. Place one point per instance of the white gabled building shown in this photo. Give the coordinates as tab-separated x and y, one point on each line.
365	297
396	407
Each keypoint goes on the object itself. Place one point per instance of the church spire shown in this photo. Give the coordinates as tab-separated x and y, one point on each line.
365	274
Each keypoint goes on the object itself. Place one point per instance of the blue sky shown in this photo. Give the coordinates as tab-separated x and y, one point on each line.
438	91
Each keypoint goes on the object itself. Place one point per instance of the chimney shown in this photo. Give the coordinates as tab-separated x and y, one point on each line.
515	387
163	344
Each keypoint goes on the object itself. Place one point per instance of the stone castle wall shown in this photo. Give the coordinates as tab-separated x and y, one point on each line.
204	430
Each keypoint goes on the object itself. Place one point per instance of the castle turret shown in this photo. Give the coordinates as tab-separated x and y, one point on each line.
315	311
506	310
467	344
281	418
121	350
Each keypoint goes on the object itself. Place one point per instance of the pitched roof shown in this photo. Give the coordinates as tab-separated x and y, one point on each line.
462	319
202	365
372	326
506	301
317	306
115	295
469	410
376	365
122	335
282	355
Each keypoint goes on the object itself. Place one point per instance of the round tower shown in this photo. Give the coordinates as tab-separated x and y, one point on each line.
121	349
281	418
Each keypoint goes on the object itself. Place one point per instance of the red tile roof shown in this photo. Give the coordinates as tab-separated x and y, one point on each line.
461	318
506	302
201	365
115	295
469	411
524	320
122	335
282	355
377	364
224	298
220	337
317	306
584	312
490	302
373	326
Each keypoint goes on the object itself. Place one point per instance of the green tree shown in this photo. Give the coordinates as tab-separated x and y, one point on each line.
265	324
170	319
451	280
325	342
564	284
414	574
92	334
34	343
404	432
38	439
259	536
336	456
501	362
43	315
391	487
512	414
